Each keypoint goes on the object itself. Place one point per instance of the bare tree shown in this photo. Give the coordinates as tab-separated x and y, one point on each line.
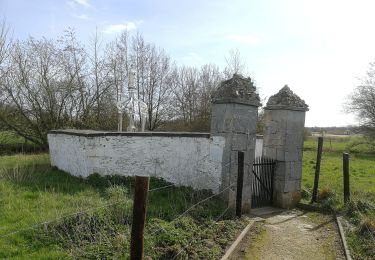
361	102
210	77
235	64
100	85
153	68
44	87
47	84
5	43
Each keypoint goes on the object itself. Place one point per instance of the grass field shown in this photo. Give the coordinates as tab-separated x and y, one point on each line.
361	166
360	212
11	143
31	193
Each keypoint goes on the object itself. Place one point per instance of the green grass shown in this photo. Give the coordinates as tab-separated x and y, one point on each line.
11	143
7	137
31	192
362	173
360	212
352	144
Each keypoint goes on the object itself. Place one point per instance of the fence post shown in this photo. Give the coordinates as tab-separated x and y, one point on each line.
240	173
317	169
139	217
345	161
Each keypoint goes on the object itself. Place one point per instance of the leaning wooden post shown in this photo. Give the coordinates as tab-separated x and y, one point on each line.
139	217
240	183
317	169
345	161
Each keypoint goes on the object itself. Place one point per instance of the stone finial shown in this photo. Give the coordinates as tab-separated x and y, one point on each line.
236	90
286	99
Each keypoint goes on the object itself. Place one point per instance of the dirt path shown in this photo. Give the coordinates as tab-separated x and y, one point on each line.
292	235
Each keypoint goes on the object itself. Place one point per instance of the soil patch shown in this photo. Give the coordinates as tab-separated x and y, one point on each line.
292	235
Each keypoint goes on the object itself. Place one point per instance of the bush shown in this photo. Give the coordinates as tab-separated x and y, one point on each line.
325	194
367	226
327	198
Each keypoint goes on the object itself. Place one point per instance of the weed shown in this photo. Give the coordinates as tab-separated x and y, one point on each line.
91	218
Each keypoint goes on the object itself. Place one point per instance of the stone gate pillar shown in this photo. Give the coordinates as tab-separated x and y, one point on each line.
283	141
234	116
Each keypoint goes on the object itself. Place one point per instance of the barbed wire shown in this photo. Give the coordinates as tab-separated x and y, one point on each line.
34	226
216	220
205	173
193	206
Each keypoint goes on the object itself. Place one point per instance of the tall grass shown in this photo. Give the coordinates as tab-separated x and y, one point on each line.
48	214
360	212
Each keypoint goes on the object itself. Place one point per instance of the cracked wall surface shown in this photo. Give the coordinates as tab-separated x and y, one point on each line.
284	121
188	161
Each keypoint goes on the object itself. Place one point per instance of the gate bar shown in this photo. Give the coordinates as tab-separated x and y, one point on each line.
241	156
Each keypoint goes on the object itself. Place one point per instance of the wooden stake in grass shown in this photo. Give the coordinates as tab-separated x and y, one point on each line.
139	217
345	164
317	169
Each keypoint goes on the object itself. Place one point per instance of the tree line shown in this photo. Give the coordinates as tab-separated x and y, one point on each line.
62	83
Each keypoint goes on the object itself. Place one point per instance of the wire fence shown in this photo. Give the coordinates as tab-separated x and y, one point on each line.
343	189
192	240
43	226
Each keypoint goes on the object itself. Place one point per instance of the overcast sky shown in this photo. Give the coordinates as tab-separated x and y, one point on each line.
319	48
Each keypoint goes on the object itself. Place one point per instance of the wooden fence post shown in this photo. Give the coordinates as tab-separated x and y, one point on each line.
317	169
139	217
345	161
240	173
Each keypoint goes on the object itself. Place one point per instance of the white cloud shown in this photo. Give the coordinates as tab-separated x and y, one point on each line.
82	16
119	27
246	39
74	3
84	3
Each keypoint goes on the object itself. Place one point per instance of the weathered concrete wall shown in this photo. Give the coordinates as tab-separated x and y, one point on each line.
184	159
283	140
259	146
237	124
234	117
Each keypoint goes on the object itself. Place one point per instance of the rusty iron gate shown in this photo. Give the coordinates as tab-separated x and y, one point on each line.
262	186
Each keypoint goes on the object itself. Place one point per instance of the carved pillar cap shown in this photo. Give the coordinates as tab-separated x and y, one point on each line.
238	90
286	99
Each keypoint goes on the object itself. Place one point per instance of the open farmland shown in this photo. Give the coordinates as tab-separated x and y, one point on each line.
360	212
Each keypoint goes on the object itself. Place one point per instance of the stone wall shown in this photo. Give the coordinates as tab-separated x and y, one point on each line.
283	140
234	117
189	159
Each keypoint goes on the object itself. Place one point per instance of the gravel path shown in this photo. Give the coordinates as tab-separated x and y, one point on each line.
292	235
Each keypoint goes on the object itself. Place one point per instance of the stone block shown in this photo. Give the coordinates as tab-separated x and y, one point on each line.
280	153
251	142
295	171
293	154
286	200
239	142
269	151
291	186
280	170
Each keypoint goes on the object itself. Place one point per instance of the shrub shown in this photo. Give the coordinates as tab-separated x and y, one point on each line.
305	193
325	194
367	226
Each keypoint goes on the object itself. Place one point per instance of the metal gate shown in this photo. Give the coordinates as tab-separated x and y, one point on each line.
262	187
